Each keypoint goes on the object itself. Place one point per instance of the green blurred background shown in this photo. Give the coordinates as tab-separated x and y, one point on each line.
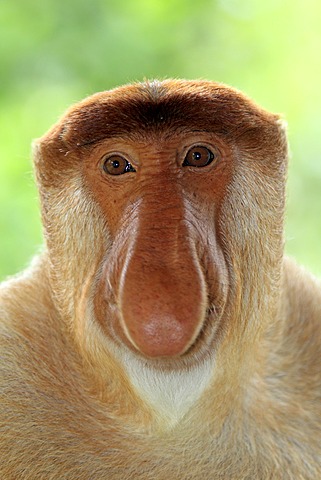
55	52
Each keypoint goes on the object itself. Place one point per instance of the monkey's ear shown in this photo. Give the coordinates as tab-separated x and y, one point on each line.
48	152
283	129
36	150
283	125
39	162
283	133
50	143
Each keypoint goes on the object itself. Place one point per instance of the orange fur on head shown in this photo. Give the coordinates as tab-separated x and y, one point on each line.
162	333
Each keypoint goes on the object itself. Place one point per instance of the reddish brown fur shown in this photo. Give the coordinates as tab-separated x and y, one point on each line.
161	334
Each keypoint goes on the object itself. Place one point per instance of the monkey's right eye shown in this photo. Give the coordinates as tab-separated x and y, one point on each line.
117	165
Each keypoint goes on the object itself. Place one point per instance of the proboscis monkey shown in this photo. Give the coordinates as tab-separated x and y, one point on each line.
161	334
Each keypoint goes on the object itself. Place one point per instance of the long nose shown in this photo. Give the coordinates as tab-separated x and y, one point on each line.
162	290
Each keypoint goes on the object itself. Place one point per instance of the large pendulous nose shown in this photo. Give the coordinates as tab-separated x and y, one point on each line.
162	290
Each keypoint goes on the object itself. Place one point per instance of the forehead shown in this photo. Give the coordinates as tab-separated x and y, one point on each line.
160	108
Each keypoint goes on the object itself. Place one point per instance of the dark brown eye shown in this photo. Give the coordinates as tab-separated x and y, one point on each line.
198	156
117	165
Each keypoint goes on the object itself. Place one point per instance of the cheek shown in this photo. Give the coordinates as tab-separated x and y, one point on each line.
204	197
207	188
114	199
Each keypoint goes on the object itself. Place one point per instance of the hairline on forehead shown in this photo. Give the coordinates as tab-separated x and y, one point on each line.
161	106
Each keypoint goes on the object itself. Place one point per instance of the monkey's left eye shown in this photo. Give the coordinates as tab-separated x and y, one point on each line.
117	165
198	156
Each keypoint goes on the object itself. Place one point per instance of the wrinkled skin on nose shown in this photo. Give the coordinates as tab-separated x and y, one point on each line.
162	288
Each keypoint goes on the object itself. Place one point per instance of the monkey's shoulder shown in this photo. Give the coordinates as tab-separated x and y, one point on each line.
301	305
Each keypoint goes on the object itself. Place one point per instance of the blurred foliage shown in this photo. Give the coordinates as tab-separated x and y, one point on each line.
54	52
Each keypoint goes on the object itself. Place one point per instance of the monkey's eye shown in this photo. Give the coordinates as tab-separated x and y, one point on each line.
117	165
198	156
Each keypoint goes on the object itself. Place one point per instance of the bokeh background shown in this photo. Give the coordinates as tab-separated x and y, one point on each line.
55	52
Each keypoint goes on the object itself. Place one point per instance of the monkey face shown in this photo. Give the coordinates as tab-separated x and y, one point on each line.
158	274
171	171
